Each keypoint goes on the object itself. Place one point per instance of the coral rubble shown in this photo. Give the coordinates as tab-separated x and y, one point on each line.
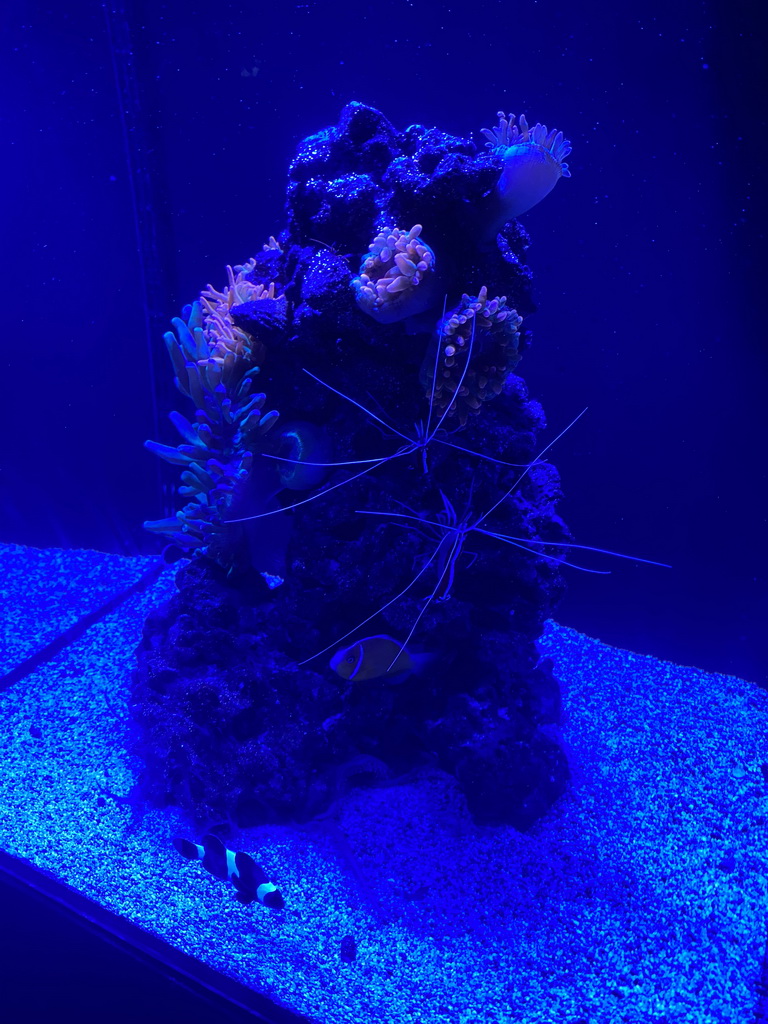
406	448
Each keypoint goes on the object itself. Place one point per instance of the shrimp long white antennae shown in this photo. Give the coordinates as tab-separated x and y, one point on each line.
519	480
348	462
359	405
517	541
461	379
515	485
384	607
455	552
460	534
522	543
312	497
434	368
488	458
428	436
412	444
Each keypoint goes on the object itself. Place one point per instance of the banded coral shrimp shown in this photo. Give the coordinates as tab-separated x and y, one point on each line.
435	467
424	434
449	532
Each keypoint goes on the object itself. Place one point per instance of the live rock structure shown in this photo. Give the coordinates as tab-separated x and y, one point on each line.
360	460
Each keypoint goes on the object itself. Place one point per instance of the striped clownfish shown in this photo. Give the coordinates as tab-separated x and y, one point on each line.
374	657
238	868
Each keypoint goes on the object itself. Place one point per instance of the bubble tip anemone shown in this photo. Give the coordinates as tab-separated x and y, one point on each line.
533	160
396	278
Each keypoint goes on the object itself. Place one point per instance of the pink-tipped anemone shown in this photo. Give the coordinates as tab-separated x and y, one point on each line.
533	161
397	277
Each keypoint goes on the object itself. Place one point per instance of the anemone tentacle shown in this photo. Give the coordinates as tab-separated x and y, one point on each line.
215	365
533	160
222	333
464	378
507	134
395	278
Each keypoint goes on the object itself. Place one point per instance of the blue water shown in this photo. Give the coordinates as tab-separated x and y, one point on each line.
147	148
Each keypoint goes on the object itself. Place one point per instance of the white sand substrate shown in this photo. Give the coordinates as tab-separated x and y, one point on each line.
640	897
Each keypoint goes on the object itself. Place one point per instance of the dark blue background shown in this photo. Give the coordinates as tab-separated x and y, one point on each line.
145	147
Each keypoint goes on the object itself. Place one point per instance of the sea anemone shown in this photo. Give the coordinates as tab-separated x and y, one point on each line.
397	277
492	330
222	334
216	364
533	160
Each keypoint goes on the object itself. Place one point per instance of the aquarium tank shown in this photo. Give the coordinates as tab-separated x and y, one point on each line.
383	532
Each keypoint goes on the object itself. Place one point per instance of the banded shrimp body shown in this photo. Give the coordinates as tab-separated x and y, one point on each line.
447	532
417	489
425	433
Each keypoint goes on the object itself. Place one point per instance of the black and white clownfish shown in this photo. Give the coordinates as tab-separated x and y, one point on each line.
374	657
238	868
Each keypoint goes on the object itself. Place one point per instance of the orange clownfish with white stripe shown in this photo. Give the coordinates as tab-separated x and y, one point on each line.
374	657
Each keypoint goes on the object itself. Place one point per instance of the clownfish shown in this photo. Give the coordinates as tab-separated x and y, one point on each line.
238	868
374	657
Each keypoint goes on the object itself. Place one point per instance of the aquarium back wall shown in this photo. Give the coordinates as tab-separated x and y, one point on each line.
147	146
